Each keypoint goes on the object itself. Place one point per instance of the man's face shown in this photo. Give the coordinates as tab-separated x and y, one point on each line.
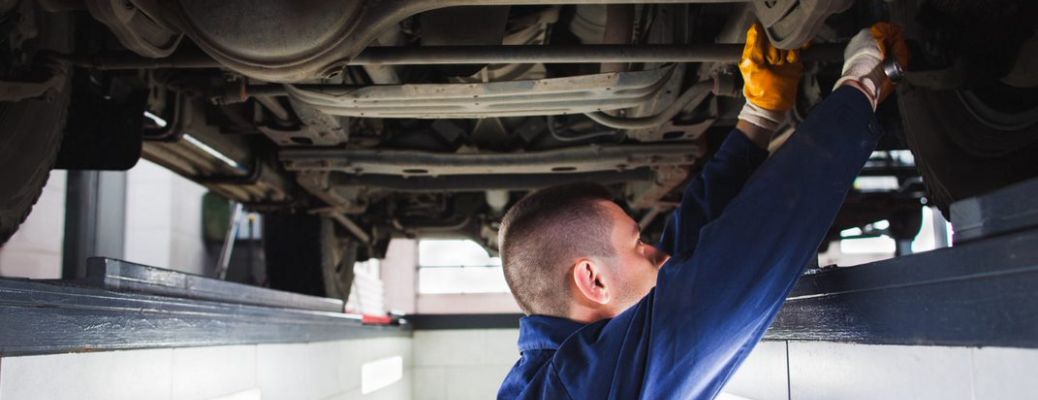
637	262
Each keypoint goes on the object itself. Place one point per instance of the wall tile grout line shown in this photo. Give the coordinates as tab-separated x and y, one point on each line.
172	373
973	373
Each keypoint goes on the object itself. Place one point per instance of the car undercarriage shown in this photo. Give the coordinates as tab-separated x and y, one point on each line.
430	117
413	123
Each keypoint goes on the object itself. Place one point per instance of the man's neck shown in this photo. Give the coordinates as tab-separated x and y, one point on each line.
584	314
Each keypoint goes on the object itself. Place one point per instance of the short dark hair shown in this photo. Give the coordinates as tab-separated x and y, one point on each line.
543	232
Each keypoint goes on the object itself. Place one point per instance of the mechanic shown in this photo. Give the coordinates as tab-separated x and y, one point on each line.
609	316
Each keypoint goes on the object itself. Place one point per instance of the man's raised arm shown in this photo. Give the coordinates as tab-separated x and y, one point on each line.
771	78
709	312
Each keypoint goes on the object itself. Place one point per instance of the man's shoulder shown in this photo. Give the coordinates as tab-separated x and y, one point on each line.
533	376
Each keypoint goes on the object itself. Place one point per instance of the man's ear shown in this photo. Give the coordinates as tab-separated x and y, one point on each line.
590	282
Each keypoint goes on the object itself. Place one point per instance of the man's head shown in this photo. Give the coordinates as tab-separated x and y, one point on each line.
569	251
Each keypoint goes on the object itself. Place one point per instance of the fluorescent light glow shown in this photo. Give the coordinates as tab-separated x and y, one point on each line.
211	151
851	232
876	183
378	374
904	156
156	119
873	245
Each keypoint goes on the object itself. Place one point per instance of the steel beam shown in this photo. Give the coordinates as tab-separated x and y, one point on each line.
592	158
444	55
61	317
481	183
571	54
978	294
551	96
1006	210
124	276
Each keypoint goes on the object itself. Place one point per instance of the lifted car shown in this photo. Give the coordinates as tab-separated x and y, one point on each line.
351	122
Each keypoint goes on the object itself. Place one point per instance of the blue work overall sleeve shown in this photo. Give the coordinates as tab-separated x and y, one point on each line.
725	282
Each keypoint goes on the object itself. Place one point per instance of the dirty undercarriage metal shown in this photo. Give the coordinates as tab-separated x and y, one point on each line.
338	30
249	39
553	96
476	183
345	179
418	163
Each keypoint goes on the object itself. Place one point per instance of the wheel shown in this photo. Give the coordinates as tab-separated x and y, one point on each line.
976	130
969	142
306	254
30	131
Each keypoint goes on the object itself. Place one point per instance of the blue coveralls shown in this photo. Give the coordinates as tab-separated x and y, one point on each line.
738	243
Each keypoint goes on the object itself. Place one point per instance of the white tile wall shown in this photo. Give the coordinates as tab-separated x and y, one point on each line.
331	370
449	347
297	371
1001	373
398	275
149	202
430	383
116	375
462	364
475	381
307	371
35	250
187	250
208	372
355	354
764	374
164	219
467	303
820	370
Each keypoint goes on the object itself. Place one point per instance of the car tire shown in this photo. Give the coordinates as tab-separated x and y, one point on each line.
965	146
30	136
306	254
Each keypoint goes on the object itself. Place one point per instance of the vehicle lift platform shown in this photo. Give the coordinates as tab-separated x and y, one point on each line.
983	291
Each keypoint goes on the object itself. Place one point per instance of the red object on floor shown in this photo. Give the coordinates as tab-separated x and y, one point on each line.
368	319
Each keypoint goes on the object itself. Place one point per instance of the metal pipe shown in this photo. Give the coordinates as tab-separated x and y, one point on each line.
651	216
180	60
445	55
692	96
228	243
618	30
275	108
571	54
480	183
351	226
414	163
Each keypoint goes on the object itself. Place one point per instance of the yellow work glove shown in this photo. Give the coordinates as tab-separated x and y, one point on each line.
865	53
771	77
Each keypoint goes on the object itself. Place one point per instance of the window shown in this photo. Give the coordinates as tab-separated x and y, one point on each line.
458	266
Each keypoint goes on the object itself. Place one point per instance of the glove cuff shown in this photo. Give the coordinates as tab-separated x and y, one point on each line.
763	118
862	56
865	85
